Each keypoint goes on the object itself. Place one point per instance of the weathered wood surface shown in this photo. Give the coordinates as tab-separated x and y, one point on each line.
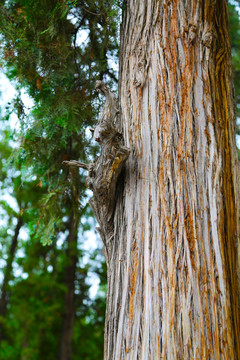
104	171
172	291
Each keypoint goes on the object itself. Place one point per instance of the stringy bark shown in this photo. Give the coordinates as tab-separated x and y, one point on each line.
172	290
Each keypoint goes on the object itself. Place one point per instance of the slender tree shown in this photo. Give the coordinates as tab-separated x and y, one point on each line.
172	273
70	277
8	274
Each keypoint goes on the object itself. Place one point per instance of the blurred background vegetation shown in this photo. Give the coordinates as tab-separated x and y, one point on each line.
53	52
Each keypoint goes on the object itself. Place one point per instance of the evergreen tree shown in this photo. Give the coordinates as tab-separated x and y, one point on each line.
42	51
55	51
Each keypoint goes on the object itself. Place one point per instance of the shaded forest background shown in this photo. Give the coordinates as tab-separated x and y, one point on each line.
53	52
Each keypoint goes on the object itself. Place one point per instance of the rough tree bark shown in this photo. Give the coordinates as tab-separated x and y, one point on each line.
104	171
172	286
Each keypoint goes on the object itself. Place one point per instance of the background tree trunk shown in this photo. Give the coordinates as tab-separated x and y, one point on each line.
172	287
70	276
7	275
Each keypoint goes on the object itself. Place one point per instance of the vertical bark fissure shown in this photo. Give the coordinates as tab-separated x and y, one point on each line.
175	226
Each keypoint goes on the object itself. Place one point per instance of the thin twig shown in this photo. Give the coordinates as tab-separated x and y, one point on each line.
76	163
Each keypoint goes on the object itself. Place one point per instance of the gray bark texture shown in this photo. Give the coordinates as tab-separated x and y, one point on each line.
172	273
170	221
104	171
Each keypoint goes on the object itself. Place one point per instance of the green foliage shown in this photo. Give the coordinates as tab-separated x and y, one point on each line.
234	22
42	51
34	322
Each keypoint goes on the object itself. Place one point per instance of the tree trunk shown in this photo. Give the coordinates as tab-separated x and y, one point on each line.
172	284
7	275
70	275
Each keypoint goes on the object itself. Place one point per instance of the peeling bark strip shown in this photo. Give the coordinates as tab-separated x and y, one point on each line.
104	171
172	291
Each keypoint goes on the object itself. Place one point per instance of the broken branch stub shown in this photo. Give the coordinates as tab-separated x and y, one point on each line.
104	171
